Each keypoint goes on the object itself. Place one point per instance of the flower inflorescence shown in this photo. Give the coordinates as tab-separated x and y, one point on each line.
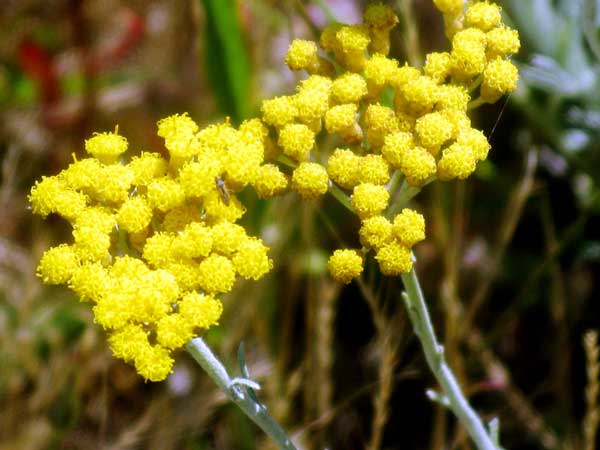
424	133
155	240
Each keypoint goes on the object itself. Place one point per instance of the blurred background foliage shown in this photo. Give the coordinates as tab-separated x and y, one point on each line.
510	268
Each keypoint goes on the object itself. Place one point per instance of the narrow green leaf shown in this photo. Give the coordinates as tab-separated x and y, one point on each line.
226	58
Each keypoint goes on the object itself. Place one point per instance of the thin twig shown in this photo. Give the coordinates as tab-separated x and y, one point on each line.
592	410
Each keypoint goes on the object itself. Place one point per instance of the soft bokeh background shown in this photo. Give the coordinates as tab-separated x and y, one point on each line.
510	267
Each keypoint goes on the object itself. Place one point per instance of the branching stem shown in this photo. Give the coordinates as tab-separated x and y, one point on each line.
257	412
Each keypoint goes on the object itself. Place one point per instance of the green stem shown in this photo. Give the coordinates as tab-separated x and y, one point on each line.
341	196
256	411
434	354
404	195
475	103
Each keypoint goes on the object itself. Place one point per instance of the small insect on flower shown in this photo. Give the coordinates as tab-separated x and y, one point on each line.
222	188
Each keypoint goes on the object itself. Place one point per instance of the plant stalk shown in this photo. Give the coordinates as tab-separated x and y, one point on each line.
256	411
434	354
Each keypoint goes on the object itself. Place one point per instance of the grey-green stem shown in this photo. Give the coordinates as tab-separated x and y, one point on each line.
256	411
434	354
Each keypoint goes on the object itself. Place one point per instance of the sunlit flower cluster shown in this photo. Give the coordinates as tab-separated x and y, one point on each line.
390	119
155	240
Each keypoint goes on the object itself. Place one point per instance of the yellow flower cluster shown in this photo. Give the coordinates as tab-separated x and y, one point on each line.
155	240
424	134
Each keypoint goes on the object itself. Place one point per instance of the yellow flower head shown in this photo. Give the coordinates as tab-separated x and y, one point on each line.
165	194
476	141
396	146
417	165
310	180
394	259
312	99
345	265
106	147
227	237
457	161
134	214
373	169
433	130
199	310
409	227
279	111
58	264
270	181
147	167
302	55
297	140
173	331
197	178
343	167
499	77
502	41
380	121
51	195
483	15
194	241
353	41
380	19
421	94
348	88
379	71
179	134
216	274
450	7
468	56
341	119
369	200
453	97
437	66
251	260
375	232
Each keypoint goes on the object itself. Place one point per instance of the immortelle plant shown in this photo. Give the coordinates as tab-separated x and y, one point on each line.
155	239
